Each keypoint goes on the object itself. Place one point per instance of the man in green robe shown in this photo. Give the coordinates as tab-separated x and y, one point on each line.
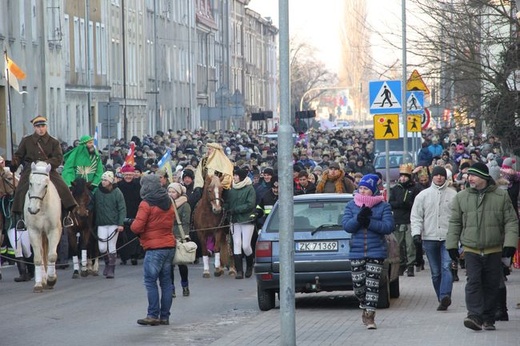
84	162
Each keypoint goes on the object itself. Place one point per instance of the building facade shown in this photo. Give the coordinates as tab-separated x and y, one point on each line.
133	67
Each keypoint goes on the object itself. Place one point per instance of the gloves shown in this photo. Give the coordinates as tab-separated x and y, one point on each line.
454	254
128	221
508	251
363	216
417	240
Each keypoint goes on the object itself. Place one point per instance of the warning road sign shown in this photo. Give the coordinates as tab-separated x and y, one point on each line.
413	123
385	97
386	126
415	82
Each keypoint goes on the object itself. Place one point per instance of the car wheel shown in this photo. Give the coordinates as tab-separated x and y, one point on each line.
384	292
266	299
394	288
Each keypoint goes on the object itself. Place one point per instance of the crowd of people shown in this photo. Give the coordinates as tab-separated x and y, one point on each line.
150	186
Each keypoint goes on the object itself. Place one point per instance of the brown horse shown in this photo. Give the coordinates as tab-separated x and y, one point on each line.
208	219
80	233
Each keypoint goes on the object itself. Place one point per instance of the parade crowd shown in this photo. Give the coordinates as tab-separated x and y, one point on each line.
457	204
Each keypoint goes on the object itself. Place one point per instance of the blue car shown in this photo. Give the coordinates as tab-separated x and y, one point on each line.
321	251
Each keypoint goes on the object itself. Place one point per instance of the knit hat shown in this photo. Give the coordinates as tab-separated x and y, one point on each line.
508	163
370	182
127	169
85	139
439	170
177	187
460	147
464	165
109	176
242	174
188	173
480	170
334	165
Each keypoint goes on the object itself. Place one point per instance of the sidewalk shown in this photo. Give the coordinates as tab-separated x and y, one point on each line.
412	319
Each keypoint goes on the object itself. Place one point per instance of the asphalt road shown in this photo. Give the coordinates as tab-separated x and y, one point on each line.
99	311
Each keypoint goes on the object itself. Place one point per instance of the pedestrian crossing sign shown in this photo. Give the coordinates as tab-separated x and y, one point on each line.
413	123
415	102
385	97
386	126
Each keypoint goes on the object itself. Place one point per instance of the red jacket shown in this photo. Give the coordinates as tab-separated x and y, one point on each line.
154	227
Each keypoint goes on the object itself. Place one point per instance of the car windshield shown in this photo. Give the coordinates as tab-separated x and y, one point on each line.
395	160
310	215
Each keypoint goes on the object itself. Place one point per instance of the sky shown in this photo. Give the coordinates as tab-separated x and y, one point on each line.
325	16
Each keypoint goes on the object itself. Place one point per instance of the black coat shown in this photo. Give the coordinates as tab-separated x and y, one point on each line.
401	200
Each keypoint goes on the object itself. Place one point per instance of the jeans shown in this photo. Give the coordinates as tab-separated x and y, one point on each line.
483	279
440	263
157	265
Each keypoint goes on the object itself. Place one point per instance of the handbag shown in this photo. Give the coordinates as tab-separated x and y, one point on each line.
185	251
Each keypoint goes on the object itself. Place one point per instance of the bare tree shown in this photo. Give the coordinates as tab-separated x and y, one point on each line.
469	48
307	73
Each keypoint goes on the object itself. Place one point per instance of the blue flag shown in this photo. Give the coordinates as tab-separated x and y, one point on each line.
165	158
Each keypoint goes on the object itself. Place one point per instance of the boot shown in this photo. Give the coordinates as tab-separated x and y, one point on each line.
238	266
369	319
111	265
22	270
105	271
185	289
409	271
249	263
501	313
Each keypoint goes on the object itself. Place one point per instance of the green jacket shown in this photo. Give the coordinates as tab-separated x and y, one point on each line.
241	203
110	207
482	222
80	163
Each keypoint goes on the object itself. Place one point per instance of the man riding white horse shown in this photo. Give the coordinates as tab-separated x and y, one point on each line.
40	146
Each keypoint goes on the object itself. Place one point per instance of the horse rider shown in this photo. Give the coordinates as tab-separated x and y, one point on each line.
40	146
84	162
214	162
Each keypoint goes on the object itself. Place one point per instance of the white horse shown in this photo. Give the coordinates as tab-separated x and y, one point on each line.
42	215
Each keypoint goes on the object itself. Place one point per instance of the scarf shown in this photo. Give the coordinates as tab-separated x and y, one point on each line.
338	182
242	184
180	201
368	201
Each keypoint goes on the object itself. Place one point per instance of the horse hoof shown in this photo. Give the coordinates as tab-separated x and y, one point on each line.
75	275
38	289
206	275
218	272
93	273
51	282
84	273
232	272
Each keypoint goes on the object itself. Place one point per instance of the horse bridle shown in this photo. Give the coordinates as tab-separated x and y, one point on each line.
46	188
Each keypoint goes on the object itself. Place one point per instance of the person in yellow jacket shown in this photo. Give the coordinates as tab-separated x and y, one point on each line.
215	162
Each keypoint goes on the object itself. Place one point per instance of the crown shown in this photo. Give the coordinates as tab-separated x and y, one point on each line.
406	168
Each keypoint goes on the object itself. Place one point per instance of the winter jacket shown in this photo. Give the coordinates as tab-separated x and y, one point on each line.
241	203
184	212
310	188
431	212
154	227
401	200
110	207
425	157
483	221
368	242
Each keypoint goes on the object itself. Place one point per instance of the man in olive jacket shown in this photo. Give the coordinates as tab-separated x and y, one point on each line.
485	223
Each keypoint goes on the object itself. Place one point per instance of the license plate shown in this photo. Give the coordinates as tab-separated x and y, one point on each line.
310	246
